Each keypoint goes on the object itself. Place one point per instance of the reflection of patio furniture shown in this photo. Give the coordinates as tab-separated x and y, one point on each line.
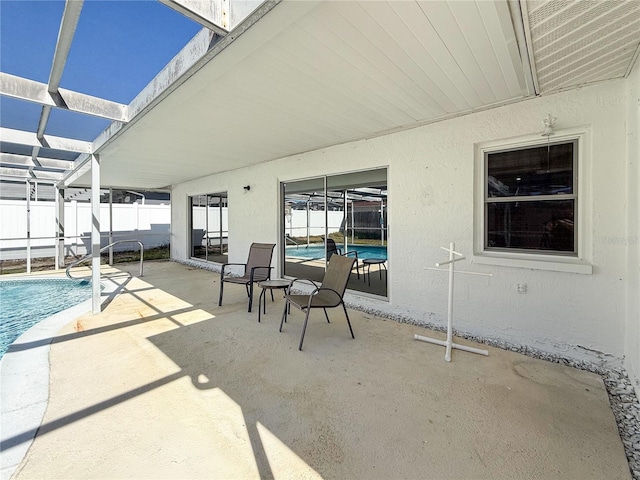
213	240
366	265
197	236
257	269
332	249
328	295
271	285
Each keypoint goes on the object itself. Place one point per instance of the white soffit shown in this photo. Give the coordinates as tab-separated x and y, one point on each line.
306	77
576	42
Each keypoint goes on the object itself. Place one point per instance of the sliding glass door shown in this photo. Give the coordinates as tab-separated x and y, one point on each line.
348	211
209	227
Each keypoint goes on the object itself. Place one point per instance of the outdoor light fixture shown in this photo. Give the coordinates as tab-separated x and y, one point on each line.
247	188
548	123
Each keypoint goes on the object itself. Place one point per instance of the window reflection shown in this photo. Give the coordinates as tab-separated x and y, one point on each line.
545	170
209	227
531	225
540	215
351	211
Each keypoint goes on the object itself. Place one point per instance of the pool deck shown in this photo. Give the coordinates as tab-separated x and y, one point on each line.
24	375
166	384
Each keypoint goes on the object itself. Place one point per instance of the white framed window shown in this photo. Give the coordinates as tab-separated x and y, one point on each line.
530	207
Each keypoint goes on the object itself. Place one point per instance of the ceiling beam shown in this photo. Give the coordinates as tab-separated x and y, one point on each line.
32	91
213	15
13	173
241	9
82	167
21	137
14	160
70	18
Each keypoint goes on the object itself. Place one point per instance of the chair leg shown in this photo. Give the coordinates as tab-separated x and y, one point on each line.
250	296
221	288
262	297
271	290
348	322
284	314
326	316
304	328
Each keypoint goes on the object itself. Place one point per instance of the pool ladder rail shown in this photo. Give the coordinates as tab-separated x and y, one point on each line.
90	255
289	239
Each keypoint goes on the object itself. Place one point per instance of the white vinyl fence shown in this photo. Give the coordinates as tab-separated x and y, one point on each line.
150	224
298	224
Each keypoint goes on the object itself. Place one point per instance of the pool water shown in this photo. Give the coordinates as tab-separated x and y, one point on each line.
23	303
317	251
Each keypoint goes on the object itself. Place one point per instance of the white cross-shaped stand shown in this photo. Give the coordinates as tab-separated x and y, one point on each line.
448	343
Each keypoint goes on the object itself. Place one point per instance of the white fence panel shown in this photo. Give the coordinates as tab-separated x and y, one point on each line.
151	224
297	227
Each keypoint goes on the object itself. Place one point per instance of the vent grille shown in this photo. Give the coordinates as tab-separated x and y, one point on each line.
582	41
575	42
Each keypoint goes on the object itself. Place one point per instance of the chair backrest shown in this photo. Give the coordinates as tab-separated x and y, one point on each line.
259	256
197	235
332	248
337	274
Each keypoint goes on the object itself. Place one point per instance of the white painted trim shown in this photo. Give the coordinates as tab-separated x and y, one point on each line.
582	263
556	264
636	55
530	61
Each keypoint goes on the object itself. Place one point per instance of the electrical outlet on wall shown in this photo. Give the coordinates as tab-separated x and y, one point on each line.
522	287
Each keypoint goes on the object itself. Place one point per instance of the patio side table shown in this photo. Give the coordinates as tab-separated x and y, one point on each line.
366	264
271	285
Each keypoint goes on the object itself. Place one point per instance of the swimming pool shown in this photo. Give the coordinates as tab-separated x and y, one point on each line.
317	251
24	303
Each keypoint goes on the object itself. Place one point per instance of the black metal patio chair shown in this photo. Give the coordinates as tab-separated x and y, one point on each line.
332	249
257	269
328	295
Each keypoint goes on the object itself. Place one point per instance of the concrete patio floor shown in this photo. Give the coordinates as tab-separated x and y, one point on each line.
166	384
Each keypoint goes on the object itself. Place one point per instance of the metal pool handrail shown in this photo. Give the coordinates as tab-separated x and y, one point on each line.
89	255
288	238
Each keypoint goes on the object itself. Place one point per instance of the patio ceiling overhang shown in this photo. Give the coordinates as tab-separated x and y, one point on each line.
310	74
296	76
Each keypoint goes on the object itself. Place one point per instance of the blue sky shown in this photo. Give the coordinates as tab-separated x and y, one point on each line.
119	46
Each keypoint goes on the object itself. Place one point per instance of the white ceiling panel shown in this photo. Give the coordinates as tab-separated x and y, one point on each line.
339	72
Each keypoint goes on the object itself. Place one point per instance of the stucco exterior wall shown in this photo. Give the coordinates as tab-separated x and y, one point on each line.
431	203
632	330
